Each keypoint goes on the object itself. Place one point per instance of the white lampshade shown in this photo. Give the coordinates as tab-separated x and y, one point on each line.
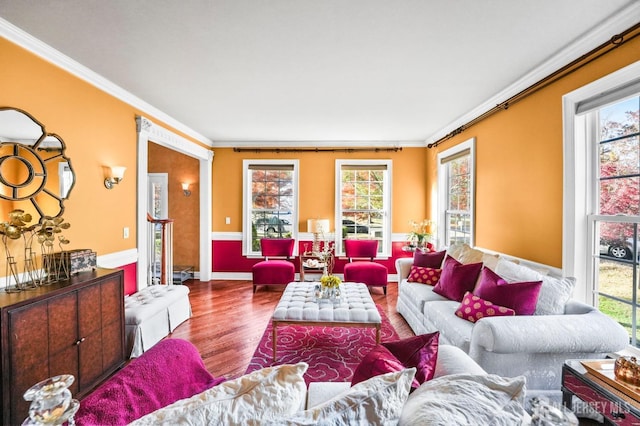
117	172
318	226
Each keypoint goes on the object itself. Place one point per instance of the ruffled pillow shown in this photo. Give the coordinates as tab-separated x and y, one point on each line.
521	297
456	279
265	394
472	308
424	275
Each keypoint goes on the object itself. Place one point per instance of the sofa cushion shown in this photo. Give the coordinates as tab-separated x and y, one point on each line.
554	293
464	399
472	308
429	259
420	352
456	279
416	294
264	394
378	400
453	330
522	297
463	253
424	275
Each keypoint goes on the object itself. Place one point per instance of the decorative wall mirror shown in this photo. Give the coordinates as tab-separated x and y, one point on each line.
35	173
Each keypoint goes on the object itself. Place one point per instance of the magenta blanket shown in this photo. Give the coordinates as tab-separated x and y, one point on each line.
169	371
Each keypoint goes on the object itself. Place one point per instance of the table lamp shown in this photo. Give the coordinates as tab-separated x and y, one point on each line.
318	227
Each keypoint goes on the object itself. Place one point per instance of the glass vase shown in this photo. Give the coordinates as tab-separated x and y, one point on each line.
51	402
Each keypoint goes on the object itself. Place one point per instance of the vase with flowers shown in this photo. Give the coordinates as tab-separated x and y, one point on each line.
421	233
330	287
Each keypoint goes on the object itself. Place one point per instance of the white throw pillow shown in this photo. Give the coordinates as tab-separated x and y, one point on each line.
248	400
376	401
554	293
466	399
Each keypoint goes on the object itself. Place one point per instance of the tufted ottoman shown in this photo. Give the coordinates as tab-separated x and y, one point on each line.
152	313
298	306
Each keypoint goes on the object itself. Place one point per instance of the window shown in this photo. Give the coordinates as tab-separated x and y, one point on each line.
615	132
363	201
456	194
601	209
270	201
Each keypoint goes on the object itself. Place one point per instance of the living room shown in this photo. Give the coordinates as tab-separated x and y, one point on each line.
520	170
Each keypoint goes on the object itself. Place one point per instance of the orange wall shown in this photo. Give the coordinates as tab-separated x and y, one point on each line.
317	185
519	170
98	130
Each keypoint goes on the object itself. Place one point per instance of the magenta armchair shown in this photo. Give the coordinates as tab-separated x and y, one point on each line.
274	271
364	271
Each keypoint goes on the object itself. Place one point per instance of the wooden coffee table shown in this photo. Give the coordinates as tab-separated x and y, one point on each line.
299	306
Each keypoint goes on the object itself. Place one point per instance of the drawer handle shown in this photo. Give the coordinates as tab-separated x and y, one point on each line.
617	415
79	341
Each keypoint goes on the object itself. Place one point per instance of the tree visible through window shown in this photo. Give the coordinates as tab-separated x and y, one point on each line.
271	200
617	128
455	177
364	199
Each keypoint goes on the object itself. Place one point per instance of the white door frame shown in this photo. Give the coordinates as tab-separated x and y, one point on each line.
148	131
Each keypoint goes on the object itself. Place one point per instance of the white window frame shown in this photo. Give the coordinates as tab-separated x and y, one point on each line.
385	251
579	183
441	225
247	202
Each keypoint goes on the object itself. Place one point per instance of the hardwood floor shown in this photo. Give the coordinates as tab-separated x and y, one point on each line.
229	320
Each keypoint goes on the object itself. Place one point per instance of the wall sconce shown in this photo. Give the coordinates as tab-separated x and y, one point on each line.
115	175
185	189
317	227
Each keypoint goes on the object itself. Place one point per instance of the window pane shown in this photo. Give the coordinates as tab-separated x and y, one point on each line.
620	157
620	196
619	119
621	312
459	228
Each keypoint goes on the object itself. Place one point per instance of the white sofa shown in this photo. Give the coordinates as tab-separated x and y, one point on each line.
531	345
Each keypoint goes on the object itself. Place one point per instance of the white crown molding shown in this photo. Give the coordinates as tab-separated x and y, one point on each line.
320	144
48	53
624	19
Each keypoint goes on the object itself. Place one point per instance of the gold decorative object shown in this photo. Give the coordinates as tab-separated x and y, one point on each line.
31	276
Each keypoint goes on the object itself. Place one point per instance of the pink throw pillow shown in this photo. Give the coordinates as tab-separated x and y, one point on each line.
420	352
429	276
521	297
429	259
472	308
456	279
379	361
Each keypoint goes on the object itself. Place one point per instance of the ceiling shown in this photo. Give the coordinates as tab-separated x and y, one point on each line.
321	72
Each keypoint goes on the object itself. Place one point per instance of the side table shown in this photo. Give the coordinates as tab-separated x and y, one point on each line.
616	407
305	269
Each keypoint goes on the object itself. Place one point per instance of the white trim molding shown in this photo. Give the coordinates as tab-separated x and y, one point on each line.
48	53
624	19
117	259
148	131
578	158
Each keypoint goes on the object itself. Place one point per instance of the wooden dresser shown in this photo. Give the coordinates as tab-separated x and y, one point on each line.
69	327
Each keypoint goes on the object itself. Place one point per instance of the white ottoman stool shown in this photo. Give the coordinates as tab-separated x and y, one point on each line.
152	313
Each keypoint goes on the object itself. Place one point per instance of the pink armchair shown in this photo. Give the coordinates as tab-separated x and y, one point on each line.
364	271
274	271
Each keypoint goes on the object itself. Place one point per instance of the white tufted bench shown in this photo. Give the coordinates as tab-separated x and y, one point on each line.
298	306
152	313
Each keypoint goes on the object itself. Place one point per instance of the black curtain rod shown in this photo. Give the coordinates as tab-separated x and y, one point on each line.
347	150
615	41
